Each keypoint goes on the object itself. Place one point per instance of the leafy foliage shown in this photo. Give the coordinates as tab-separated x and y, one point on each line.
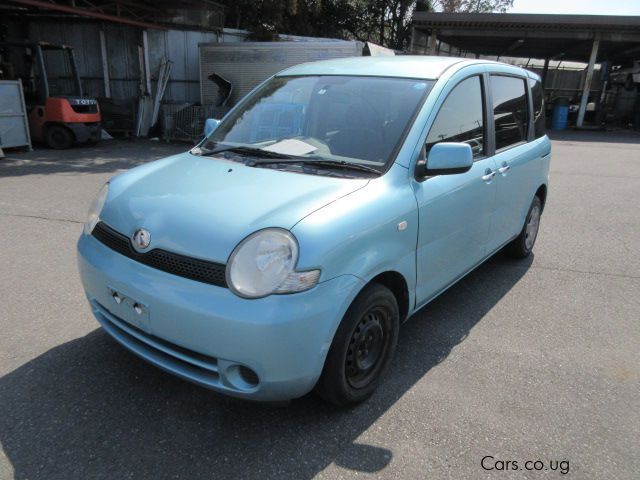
472	6
386	22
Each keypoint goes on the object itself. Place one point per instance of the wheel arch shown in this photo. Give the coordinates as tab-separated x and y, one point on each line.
395	282
542	194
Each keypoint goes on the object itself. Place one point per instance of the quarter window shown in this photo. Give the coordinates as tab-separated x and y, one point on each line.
510	112
461	117
538	108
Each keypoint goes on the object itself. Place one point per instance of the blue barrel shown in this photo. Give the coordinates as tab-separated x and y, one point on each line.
560	116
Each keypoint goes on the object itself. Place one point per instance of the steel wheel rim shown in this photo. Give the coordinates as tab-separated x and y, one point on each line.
368	347
531	229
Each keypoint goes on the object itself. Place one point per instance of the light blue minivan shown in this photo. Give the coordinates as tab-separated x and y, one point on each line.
282	253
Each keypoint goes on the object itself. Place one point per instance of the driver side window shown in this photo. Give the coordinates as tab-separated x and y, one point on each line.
461	117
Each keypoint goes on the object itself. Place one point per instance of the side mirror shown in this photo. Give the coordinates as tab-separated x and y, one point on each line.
445	158
210	125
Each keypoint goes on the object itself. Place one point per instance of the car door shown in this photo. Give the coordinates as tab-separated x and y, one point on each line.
515	155
455	211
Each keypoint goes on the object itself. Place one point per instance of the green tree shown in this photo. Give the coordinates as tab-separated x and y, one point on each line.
386	22
472	6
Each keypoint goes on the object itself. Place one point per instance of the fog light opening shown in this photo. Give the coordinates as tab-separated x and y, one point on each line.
242	378
249	376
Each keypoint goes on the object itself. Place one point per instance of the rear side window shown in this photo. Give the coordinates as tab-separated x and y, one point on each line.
461	117
538	108
510	112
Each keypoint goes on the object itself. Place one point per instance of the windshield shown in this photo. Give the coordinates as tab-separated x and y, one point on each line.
346	119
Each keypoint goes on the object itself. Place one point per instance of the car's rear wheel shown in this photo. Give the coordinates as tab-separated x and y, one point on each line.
521	247
362	348
58	137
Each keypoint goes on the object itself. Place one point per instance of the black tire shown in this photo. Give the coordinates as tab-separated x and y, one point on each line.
522	245
59	137
362	348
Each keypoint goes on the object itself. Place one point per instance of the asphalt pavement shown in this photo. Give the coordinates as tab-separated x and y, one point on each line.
525	361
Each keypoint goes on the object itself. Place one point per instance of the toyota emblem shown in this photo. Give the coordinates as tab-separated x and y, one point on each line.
141	238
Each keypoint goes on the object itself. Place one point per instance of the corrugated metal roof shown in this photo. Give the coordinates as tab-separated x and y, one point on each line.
566	37
529	20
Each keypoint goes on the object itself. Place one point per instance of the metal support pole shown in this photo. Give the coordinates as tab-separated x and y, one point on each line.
105	65
145	56
605	69
545	70
433	40
44	81
587	81
141	81
75	73
413	39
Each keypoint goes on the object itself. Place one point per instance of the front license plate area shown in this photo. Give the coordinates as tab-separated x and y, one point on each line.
128	309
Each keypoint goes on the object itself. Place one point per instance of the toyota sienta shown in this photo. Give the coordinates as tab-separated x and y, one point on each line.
281	254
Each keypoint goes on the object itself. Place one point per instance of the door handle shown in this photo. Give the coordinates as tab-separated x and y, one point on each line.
488	175
504	168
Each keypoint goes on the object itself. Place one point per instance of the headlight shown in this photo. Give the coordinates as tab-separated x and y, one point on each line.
264	262
93	216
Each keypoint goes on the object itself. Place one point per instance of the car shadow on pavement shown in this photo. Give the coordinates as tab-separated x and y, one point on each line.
89	409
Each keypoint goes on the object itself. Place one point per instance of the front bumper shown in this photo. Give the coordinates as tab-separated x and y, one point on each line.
204	333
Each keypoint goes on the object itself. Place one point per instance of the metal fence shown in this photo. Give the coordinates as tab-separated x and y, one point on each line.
185	122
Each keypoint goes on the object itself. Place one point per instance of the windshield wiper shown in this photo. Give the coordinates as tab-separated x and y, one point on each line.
252	151
267	157
341	164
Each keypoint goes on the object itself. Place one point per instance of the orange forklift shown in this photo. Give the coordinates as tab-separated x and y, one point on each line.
59	114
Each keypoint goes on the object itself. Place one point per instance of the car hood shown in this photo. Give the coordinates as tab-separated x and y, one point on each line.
203	206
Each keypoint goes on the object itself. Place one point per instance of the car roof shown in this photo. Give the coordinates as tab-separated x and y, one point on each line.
409	66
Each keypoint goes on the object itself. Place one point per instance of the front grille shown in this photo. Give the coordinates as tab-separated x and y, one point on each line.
180	265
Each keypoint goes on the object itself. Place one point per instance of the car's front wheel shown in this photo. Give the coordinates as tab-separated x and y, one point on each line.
362	348
523	244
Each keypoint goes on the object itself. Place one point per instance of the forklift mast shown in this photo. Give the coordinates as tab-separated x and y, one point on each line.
37	49
40	46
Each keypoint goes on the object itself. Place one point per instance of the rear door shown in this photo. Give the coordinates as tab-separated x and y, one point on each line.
515	154
455	211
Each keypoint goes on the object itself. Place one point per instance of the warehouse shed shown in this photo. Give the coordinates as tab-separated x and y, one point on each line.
119	45
581	38
151	63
